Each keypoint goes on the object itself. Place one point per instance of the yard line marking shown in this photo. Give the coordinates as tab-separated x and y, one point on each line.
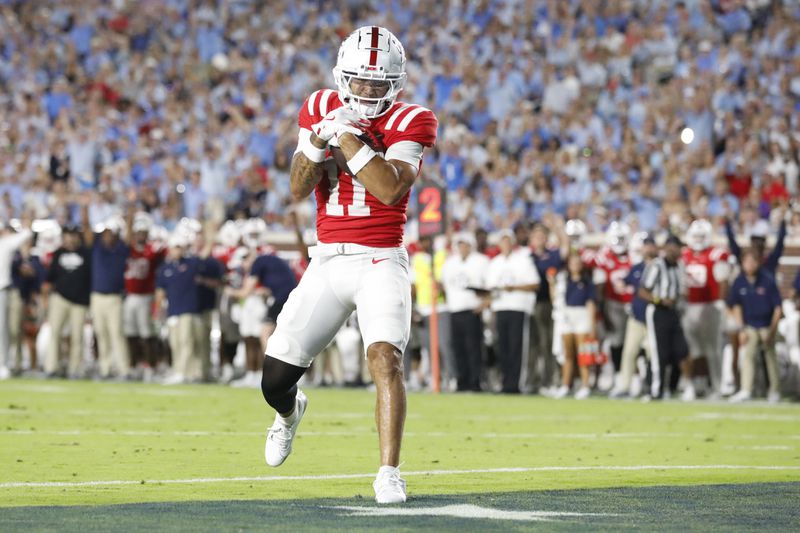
748	417
325	477
760	448
347	433
464	511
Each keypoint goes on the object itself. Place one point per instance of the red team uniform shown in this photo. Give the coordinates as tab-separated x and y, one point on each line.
359	263
140	284
346	211
704	271
702	322
611	269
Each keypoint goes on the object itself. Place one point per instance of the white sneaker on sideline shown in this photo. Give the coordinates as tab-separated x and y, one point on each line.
561	392
618	393
389	486
688	394
583	393
174	379
227	374
251	380
281	435
741	396
774	397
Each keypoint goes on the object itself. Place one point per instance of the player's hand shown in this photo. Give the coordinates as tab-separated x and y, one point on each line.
338	122
668	302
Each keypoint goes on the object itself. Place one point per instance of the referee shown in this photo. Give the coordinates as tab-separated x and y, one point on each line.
662	288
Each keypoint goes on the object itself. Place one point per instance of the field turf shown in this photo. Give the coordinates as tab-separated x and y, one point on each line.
96	456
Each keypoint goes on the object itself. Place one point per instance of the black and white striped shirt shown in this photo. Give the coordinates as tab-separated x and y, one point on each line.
663	280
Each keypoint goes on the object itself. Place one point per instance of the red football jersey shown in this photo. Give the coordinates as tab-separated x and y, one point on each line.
704	271
140	268
346	210
612	269
223	254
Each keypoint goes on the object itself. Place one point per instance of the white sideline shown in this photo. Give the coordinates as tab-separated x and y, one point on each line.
490	435
515	470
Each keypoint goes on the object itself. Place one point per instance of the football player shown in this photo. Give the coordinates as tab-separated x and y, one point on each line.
359	151
612	265
706	271
140	285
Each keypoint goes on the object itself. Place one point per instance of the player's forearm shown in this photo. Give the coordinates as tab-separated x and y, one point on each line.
380	177
303	176
776	318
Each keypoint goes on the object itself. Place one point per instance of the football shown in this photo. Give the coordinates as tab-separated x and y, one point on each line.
369	138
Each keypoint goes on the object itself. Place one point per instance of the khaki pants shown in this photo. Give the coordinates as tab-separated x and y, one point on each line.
62	310
542	368
16	309
112	348
635	335
757	338
182	341
201	364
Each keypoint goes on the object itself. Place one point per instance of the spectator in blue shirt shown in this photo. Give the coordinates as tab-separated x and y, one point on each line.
109	256
756	303
643	249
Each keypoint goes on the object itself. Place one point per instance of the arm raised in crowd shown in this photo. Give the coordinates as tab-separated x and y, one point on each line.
88	233
774	257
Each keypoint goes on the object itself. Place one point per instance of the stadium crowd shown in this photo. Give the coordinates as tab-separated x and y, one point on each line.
123	124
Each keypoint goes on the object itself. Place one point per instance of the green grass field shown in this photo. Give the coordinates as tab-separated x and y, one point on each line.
94	444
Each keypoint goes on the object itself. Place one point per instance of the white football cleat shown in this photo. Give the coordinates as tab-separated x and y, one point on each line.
389	486
174	379
583	393
561	392
774	397
741	396
688	394
281	434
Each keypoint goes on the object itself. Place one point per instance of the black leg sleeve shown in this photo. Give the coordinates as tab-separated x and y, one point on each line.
279	383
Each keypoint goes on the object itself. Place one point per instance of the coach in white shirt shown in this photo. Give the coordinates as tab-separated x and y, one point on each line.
464	282
10	241
513	279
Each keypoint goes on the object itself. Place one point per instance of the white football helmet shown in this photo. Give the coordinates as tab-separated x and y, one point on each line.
373	54
254	232
142	221
190	225
698	236
617	237
228	234
575	230
48	237
158	235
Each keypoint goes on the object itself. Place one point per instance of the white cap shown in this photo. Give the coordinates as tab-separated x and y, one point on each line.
465	237
760	229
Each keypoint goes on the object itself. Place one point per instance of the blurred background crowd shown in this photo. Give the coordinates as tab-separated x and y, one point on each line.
648	113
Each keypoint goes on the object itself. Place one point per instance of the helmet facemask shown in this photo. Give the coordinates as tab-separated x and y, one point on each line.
352	84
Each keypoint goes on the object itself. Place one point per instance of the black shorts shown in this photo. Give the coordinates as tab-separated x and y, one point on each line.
274	310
